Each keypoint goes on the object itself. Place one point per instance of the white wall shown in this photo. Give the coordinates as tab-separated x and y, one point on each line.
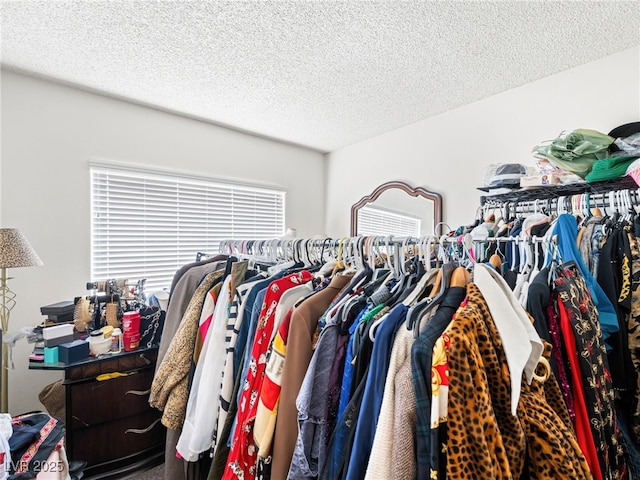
49	133
448	153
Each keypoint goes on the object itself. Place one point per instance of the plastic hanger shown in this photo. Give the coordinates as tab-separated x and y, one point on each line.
460	277
628	206
496	261
421	287
440	286
454	276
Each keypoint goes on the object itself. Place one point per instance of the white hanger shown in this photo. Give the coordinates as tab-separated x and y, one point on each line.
612	203
628	205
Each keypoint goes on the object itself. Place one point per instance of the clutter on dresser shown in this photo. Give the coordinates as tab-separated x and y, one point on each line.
113	318
59	312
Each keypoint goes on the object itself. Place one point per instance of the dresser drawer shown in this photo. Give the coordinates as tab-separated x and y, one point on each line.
119	363
96	402
118	439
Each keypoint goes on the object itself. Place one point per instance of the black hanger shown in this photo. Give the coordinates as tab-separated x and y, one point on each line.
416	312
398	289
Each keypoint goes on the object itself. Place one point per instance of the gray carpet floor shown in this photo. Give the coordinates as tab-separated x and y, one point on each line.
156	473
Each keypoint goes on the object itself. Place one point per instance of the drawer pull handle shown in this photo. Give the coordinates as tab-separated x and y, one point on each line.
138	392
144	430
81	421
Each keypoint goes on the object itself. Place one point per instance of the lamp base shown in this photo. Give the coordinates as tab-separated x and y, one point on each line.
7	302
4	378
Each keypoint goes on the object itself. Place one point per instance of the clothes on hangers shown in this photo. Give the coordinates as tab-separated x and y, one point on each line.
199	424
184	297
323	379
590	242
270	391
169	390
613	291
302	335
566	229
373	392
231	369
422	364
495	439
614	276
578	316
393	452
184	285
243	454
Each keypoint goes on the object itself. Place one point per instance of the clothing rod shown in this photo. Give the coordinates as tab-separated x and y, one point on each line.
533	239
378	240
263	248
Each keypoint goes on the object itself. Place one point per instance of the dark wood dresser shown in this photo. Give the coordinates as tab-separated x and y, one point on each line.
109	423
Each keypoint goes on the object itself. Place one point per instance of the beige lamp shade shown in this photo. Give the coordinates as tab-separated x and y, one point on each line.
15	250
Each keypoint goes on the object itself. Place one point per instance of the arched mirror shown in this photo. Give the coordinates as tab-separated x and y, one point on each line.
396	208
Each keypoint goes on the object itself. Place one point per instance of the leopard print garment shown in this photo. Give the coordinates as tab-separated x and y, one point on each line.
549	431
484	439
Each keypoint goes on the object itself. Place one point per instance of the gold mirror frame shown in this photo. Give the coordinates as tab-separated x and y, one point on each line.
434	197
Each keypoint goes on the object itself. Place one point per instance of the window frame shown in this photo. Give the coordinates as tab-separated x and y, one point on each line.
390	216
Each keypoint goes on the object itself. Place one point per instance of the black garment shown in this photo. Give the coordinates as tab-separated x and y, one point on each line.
614	276
363	349
346	429
631	448
537	301
198	470
576	301
511	277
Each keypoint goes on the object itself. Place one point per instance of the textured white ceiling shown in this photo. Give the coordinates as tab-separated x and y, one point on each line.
320	74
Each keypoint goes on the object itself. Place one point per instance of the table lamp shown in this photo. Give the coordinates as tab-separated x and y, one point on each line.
15	252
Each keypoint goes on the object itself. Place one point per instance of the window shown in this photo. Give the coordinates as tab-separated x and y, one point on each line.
377	221
147	225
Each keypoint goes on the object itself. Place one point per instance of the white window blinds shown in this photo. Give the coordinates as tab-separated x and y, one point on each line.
376	221
147	225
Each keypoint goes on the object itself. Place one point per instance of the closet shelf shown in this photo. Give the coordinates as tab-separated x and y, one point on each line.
554	191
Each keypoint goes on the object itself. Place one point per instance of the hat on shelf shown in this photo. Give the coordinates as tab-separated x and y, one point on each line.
505	176
625	130
627	139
